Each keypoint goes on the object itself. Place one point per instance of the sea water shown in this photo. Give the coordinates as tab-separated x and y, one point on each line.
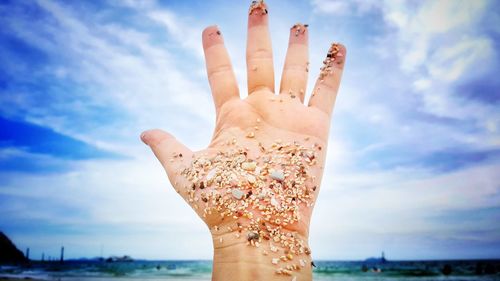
463	270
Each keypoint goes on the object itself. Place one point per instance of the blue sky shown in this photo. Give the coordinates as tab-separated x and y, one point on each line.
413	162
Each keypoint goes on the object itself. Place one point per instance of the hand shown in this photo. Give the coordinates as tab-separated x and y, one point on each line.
256	183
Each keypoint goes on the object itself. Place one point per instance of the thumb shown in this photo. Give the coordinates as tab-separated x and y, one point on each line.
170	152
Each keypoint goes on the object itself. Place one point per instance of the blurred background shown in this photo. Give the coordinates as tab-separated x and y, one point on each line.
413	163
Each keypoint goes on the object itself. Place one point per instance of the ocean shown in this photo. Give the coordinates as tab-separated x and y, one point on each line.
463	270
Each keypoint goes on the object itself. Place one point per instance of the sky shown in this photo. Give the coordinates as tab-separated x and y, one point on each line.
413	166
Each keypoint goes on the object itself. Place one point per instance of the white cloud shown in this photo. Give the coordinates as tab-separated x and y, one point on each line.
130	72
340	7
439	45
330	7
376	206
142	79
418	30
187	35
467	57
436	45
130	196
422	84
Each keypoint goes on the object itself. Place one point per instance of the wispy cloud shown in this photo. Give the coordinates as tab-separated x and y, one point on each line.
131	74
418	143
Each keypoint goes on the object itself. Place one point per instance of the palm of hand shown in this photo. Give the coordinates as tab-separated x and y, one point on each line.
254	126
260	120
281	117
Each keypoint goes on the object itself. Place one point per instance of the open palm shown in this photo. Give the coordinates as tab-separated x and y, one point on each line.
267	152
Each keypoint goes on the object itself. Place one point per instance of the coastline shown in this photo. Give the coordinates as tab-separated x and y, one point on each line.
450	270
8	278
17	279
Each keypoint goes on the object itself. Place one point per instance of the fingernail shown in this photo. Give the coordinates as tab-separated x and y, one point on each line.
298	33
258	7
211	36
334	58
143	137
336	53
257	13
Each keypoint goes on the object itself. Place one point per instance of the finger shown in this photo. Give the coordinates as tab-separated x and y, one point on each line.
295	71
219	69
327	85
172	154
260	71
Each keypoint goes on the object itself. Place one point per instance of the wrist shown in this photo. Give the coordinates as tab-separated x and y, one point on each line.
240	255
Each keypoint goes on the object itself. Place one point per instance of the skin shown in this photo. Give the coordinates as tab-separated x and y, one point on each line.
277	116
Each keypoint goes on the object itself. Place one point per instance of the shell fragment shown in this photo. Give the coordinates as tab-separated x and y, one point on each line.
248	166
277	175
238	194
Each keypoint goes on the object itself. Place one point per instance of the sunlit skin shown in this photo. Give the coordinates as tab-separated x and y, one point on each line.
265	116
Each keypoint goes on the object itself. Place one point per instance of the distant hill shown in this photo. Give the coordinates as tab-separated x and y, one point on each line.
381	259
9	253
375	260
